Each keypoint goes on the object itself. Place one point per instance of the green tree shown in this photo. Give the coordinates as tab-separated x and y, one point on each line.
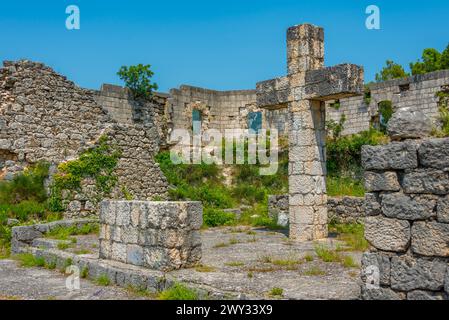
430	61
138	79
445	58
391	71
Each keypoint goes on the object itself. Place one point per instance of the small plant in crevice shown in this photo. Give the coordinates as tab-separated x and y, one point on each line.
178	292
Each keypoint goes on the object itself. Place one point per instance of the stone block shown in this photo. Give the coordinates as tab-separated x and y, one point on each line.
443	209
393	156
434	153
403	206
409	124
134	255
424	295
380	261
409	273
25	233
387	234
381	181
371	205
382	294
118	252
426	181
430	239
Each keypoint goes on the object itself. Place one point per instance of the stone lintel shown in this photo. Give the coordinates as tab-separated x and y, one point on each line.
273	94
340	81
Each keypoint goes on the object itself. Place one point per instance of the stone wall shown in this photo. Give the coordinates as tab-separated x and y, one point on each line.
408	220
416	93
43	116
340	209
220	110
156	235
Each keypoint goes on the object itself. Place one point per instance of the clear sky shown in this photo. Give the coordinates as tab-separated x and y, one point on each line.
216	44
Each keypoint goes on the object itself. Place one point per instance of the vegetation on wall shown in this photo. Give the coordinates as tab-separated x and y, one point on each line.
98	163
138	79
443	108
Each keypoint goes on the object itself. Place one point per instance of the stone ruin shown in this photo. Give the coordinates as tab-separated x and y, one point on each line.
45	117
407	209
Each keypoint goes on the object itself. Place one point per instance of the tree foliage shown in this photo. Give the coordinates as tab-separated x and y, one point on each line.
391	71
138	79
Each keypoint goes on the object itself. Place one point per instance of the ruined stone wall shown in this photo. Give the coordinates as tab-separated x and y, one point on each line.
408	220
43	116
417	93
220	110
340	209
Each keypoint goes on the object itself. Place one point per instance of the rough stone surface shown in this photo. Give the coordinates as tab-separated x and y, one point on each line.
407	123
408	273
387	234
424	295
407	207
156	235
426	181
372	204
383	181
430	239
434	153
393	156
381	294
443	210
379	260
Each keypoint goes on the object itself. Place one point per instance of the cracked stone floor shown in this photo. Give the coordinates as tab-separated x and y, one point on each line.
248	261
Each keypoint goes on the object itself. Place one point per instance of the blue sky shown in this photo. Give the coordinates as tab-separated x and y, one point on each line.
216	44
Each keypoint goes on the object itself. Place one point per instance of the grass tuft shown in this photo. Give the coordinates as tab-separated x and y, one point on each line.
178	292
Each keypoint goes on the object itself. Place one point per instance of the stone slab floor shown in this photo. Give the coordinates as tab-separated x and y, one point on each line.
243	260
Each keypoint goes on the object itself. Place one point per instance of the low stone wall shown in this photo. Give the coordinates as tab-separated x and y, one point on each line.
22	236
408	220
340	209
157	235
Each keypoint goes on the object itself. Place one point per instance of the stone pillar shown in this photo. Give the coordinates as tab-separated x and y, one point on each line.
307	204
407	223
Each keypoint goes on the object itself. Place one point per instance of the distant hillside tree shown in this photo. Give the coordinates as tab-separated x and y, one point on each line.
138	80
391	71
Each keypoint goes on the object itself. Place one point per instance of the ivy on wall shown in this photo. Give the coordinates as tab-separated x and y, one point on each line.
97	163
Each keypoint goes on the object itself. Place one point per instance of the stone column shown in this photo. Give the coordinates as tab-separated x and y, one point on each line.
307	204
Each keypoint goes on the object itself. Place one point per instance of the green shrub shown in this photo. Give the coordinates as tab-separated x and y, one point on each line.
344	186
216	217
25	210
26	186
103	280
178	292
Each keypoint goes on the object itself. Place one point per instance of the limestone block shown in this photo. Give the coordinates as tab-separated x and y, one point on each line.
403	206
426	181
134	255
387	234
385	181
443	209
409	273
118	251
372	205
430	238
424	295
408	124
434	153
393	156
381	293
379	260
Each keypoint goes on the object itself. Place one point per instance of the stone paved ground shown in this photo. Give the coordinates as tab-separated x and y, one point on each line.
235	260
42	284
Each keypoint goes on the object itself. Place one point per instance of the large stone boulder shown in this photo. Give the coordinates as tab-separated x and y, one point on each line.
409	124
387	234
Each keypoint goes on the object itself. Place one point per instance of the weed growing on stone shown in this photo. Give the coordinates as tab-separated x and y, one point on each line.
276	292
328	255
308	257
353	235
234	264
84	272
103	280
178	292
63	245
204	268
65	233
27	260
314	271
